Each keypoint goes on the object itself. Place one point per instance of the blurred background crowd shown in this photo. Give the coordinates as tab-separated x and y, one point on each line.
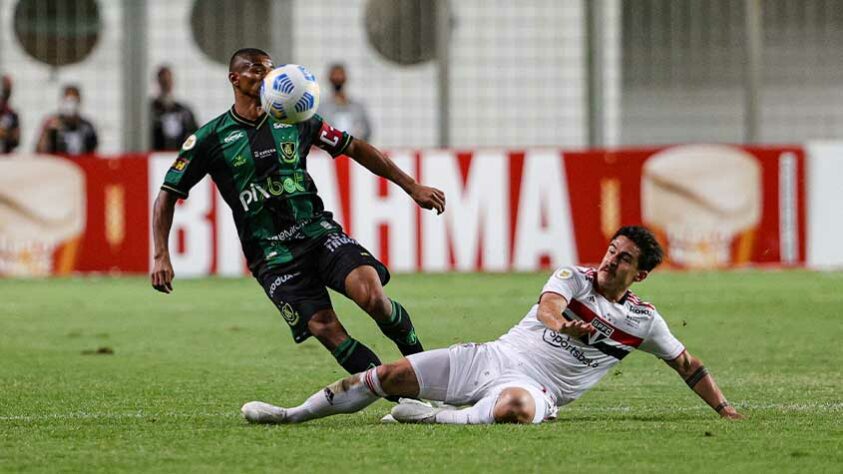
121	76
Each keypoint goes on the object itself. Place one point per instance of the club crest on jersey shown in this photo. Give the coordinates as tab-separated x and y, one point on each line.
602	327
189	143
288	152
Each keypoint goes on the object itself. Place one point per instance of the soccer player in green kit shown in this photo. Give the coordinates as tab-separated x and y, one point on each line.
292	245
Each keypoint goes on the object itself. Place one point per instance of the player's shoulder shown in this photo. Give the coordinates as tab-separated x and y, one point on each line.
574	272
636	306
224	121
216	129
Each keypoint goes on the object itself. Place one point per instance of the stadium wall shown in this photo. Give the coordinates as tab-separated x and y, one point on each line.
540	46
713	206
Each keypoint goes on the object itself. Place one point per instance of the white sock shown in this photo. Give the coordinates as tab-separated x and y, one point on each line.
481	413
348	395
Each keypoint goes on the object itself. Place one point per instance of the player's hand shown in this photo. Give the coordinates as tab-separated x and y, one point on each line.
576	328
429	198
162	275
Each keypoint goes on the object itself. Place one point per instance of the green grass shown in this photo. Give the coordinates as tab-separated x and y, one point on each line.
168	397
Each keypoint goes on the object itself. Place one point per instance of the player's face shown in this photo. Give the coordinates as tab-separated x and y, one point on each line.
250	74
619	268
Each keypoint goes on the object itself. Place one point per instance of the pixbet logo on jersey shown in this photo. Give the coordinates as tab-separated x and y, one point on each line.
272	187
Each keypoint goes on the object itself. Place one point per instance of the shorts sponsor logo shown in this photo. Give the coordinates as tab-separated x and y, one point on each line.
329	395
564	342
280	280
234	136
336	241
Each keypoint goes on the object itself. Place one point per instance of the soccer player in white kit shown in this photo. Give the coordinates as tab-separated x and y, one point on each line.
585	322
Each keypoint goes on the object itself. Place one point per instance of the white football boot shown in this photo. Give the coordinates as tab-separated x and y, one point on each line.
414	411
388	419
260	412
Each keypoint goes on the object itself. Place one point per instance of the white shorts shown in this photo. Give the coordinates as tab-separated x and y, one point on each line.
473	372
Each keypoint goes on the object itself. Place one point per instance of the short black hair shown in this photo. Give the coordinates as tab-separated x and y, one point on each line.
651	252
247	54
163	68
71	88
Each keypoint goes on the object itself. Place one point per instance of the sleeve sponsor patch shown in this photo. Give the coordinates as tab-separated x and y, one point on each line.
564	274
189	143
180	164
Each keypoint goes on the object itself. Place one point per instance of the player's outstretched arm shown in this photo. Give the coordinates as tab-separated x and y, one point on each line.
162	219
381	165
702	383
551	306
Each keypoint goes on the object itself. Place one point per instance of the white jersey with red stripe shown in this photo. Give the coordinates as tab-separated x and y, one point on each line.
569	366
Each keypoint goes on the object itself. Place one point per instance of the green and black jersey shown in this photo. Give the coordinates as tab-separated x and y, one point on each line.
260	168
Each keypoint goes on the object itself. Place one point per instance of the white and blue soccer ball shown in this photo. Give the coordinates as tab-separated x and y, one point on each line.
290	94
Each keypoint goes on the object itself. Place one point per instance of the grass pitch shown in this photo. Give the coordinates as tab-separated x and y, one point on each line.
106	375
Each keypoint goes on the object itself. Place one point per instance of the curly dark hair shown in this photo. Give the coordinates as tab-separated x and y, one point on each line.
651	252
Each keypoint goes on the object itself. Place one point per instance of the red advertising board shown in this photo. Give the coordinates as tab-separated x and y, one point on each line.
710	205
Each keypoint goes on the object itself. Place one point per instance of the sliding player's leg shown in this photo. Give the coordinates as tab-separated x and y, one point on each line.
358	391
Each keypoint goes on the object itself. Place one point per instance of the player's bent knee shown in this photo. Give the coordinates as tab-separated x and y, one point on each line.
326	327
364	287
399	379
515	405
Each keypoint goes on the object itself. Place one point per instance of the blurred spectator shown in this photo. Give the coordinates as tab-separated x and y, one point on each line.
9	123
172	122
341	111
68	132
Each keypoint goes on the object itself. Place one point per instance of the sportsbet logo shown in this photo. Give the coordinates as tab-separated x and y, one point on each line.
272	187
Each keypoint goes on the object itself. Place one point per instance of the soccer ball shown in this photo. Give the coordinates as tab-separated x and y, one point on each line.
290	94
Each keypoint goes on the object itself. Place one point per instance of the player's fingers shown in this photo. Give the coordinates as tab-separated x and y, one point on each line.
439	206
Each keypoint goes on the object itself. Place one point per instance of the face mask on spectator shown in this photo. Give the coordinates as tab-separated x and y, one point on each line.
69	107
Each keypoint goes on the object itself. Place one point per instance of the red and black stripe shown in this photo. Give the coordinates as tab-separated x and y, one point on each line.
584	313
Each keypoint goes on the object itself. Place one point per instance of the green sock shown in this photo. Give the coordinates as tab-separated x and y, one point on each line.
400	329
354	356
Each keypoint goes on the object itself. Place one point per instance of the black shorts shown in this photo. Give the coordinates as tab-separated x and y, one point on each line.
299	288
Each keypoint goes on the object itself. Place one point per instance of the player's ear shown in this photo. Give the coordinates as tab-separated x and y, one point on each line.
641	275
233	78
